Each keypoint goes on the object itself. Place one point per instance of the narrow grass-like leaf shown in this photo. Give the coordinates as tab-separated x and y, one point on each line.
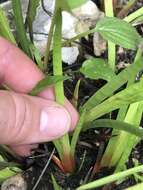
5	151
136	14
67	162
55	184
4	27
97	69
50	37
8	171
20	30
77	132
57	58
138	21
135	187
111	178
121	140
133	116
4	164
47	81
76	94
115	124
31	14
117	81
132	94
119	32
36	56
109	12
126	8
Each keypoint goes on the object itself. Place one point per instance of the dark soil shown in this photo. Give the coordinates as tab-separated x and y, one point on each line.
1	1
91	142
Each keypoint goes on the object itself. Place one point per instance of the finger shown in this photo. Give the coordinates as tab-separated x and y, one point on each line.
28	120
21	74
24	150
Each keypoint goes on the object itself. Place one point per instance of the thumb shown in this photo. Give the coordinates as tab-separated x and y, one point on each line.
26	120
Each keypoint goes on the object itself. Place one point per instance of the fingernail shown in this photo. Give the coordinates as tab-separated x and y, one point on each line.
55	121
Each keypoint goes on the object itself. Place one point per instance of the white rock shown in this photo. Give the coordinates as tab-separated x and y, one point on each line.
16	182
69	25
82	19
43	21
99	44
88	11
70	54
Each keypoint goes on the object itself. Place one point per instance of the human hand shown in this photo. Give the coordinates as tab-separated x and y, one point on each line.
26	120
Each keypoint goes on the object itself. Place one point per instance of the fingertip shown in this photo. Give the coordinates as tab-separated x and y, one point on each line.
55	121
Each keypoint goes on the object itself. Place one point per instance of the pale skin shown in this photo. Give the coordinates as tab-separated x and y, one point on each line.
26	121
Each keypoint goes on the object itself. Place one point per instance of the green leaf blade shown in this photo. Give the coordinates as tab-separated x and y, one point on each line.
55	184
31	14
47	81
4	27
136	187
77	132
110	178
115	124
20	28
97	69
119	32
117	81
132	94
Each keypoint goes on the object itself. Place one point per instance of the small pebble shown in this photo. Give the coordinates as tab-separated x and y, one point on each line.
16	182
